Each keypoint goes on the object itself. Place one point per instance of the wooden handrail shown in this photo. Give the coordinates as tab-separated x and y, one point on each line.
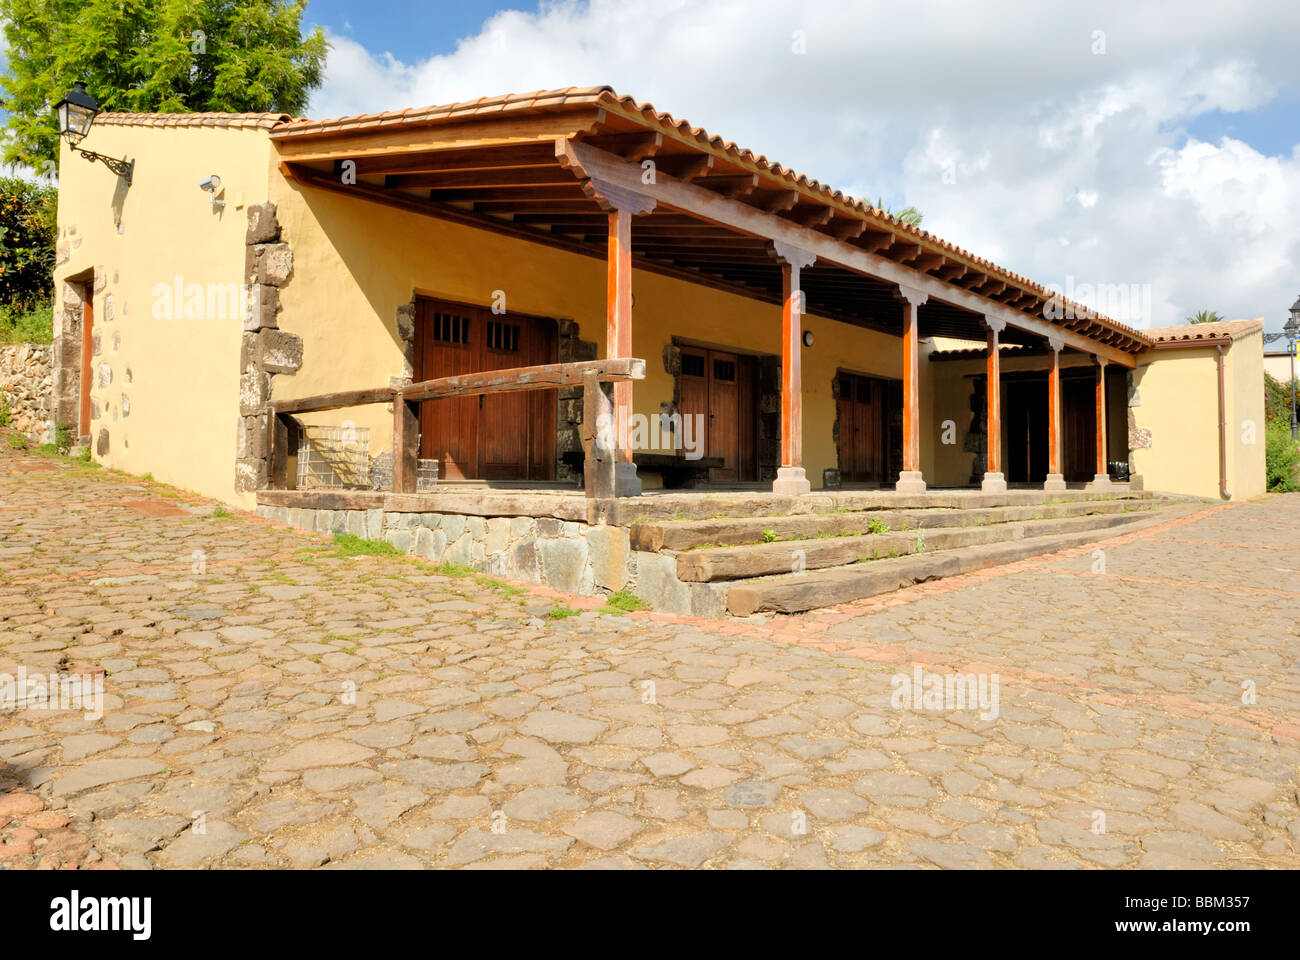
589	374
546	376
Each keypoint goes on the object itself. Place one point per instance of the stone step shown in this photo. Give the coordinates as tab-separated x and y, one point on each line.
768	559
626	511
795	593
734	531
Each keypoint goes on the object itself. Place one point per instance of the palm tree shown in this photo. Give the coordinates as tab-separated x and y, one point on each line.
909	214
1205	316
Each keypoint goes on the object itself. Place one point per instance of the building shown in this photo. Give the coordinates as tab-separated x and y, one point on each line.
759	330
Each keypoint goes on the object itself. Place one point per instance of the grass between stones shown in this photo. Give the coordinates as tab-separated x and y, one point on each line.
624	601
350	545
562	611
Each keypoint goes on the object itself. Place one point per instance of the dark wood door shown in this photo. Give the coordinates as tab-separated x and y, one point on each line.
865	407
717	390
1024	421
1078	429
493	437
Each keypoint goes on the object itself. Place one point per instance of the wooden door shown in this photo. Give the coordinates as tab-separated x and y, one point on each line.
503	419
724	411
717	389
448	341
87	374
1078	429
864	423
1024	421
493	437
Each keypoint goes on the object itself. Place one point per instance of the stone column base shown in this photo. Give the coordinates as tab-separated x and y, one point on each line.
1135	482
1054	481
626	482
910	481
791	482
1100	482
994	483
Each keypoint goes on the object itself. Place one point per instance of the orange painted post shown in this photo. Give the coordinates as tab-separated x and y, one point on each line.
1102	480
621	205
994	480
791	479
618	333
1055	478
910	479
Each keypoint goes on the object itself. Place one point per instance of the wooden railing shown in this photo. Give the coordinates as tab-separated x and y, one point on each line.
598	470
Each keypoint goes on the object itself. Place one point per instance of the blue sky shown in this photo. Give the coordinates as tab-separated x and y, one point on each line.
1099	143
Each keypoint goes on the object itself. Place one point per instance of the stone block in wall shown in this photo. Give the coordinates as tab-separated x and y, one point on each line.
261	307
101	442
672	360
263	225
272	263
250	443
254	391
248	353
567	328
250	475
96	343
105	375
570	411
406	321
609	549
564	563
278	351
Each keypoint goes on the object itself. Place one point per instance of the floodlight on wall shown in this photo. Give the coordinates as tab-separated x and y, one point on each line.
77	111
211	184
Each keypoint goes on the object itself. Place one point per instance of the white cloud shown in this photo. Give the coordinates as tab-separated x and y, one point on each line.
996	119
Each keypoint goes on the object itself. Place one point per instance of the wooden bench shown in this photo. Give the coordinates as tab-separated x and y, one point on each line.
677	471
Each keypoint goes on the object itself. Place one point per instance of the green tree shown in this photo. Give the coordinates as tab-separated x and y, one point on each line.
27	217
1205	316
152	56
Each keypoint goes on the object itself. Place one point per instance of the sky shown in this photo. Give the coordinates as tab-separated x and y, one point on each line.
1096	145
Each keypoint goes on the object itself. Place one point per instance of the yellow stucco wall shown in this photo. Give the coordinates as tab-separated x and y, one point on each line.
1178	404
1244	376
171	407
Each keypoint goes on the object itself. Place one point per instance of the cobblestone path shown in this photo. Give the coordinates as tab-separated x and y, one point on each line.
269	703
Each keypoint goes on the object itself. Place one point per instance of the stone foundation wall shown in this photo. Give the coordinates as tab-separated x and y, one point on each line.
565	555
266	350
27	388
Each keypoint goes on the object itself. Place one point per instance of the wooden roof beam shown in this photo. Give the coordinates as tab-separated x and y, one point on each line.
814	217
951	272
927	262
685	168
848	229
784	200
875	241
732	185
514	177
633	147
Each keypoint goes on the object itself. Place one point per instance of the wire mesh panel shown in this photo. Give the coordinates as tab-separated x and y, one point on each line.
333	458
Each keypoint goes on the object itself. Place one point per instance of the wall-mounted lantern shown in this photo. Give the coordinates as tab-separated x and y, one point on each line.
77	111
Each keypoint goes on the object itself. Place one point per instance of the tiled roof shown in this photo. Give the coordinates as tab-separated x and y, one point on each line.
283	127
264	121
543	100
1191	333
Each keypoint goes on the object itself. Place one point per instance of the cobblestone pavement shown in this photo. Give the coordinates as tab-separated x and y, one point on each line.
269	703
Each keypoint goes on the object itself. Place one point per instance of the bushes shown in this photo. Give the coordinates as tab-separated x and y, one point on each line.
1282	458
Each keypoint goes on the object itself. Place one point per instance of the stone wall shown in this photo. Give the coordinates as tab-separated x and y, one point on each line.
267	351
27	388
566	555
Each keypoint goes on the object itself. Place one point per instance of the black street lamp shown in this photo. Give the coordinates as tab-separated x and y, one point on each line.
77	111
1292	330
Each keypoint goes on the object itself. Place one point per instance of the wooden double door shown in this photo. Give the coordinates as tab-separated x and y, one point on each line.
870	429
716	389
509	436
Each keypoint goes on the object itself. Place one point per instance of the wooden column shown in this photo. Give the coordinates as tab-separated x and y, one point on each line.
791	478
910	480
1055	478
622	205
406	445
995	480
1102	480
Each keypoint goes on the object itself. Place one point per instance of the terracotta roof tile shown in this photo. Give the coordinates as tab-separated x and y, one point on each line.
1190	333
283	127
264	121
